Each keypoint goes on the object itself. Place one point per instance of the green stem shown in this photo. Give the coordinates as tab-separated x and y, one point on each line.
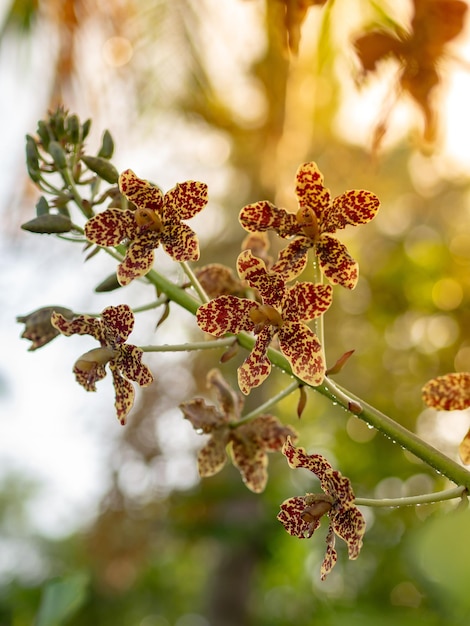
189	347
269	403
194	282
427	498
150	305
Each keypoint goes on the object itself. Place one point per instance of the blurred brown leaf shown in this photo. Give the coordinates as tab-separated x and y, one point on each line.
434	24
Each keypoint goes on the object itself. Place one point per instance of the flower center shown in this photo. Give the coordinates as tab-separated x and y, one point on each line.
317	506
148	219
308	221
265	315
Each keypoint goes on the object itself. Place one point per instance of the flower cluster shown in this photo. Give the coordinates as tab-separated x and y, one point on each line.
124	360
250	441
301	515
155	219
283	311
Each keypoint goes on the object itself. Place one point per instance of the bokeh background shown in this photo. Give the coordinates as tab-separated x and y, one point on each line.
115	521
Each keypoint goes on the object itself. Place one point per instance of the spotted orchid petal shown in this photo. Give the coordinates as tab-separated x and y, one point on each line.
212	457
310	191
251	460
353	207
450	392
301	347
180	242
226	314
271	287
111	227
118	322
184	201
307	301
137	262
336	262
203	417
79	325
291	517
129	362
124	394
292	259
263	216
140	192
257	367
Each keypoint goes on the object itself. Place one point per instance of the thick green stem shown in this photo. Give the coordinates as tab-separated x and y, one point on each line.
190	347
427	498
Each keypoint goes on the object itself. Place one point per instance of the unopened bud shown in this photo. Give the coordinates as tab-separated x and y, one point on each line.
102	167
73	129
49	224
38	327
107	146
58	155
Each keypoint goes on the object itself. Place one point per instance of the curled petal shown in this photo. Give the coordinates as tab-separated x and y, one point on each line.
80	325
124	394
352	207
251	460
229	400
203	417
111	227
331	556
450	392
310	191
184	201
252	269
257	367
262	216
226	314
270	433
336	262
118	322
292	260
350	525
464	449
306	301
212	457
140	192
334	483
301	347
129	361
297	457
291	518
89	375
180	242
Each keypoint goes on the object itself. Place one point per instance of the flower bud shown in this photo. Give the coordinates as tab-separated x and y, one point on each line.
32	159
73	129
38	327
48	223
102	167
58	154
107	146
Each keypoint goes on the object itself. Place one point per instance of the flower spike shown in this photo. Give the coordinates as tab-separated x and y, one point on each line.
156	219
313	226
301	515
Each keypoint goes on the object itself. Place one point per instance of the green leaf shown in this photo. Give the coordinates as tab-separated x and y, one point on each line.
61	598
